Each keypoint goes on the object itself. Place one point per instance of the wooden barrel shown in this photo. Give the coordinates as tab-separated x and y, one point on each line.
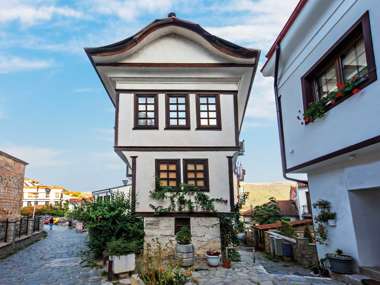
185	254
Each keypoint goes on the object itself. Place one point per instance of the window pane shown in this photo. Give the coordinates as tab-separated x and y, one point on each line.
200	166
150	100
182	115
190	166
203	100
212	107
172	183
163	166
150	122
191	175
142	107
203	114
150	107
182	122
142	100
211	100
163	183
181	107
203	107
173	114
181	100
326	82
212	122
212	115
150	114
191	182
173	122
163	175
355	62
172	175
172	100
142	122
173	107
200	183
142	114
200	175
172	167
204	122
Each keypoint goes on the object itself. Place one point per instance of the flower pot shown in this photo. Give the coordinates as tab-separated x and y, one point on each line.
227	263
343	264
185	254
331	222
123	263
213	260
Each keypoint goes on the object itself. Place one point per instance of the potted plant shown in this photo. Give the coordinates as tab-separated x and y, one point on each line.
340	263
226	262
122	254
213	258
184	249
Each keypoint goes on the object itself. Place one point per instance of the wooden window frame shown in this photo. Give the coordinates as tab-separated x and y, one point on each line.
177	162
156	118
362	28
206	188
218	126
187	112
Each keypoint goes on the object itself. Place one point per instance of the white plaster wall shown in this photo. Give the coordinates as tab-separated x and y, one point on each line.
301	201
350	122
346	186
161	137
174	48
145	175
366	211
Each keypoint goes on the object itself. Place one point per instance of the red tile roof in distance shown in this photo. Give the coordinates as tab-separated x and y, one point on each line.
301	4
278	224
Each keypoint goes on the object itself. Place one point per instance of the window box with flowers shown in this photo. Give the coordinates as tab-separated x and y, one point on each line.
347	68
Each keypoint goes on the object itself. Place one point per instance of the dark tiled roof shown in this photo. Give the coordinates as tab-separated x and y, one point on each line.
219	43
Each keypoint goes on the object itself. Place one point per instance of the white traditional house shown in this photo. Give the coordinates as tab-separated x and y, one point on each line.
324	64
180	96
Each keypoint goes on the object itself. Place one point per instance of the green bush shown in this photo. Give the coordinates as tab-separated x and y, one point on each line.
287	229
107	220
122	247
184	235
268	213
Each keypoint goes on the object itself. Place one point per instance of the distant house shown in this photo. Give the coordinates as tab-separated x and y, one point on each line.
288	211
107	192
324	64
12	171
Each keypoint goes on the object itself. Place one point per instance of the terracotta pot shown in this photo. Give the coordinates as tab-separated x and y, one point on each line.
227	263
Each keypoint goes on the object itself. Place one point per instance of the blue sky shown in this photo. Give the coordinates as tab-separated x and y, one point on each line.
54	112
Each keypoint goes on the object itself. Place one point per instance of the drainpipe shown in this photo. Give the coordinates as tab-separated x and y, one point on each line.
279	120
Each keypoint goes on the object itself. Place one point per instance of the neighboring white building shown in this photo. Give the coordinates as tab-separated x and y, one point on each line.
124	189
325	43
180	96
42	195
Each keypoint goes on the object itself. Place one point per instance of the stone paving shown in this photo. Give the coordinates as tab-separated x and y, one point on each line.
54	260
248	272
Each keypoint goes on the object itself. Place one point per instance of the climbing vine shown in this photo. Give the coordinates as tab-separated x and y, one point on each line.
324	215
185	198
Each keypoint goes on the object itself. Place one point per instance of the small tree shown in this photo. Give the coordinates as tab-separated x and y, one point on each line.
267	213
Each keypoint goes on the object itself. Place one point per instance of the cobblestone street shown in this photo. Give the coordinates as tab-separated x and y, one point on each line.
54	260
248	273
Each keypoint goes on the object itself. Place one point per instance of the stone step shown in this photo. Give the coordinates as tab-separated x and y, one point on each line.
352	279
372	272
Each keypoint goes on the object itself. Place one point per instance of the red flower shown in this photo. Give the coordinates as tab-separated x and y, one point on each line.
307	120
356	90
340	85
339	95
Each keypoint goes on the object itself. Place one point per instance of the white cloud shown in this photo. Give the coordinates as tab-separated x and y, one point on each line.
129	10
36	156
10	64
259	25
29	14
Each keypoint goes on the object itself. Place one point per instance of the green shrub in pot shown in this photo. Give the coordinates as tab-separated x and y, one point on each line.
122	246
184	249
183	236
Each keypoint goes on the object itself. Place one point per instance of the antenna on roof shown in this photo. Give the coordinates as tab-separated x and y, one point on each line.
172	15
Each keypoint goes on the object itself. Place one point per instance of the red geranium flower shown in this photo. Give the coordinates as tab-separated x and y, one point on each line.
340	85
307	120
356	90
339	95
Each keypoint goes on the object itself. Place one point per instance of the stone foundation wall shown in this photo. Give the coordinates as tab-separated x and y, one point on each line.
205	233
12	173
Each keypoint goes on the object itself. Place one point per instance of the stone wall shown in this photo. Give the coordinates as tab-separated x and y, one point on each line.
205	233
12	171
